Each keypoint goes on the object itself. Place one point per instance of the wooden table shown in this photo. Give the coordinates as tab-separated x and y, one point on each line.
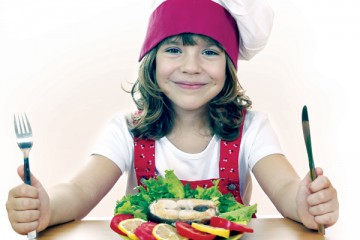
266	228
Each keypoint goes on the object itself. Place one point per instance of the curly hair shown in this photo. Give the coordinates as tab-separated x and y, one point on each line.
155	117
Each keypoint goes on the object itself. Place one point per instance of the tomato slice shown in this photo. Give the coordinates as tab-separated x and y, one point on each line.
116	220
144	231
224	223
186	230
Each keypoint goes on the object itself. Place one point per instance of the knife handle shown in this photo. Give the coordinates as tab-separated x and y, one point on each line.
321	229
313	174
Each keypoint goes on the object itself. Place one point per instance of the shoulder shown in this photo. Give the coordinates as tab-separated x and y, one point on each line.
255	118
260	139
121	118
119	122
257	124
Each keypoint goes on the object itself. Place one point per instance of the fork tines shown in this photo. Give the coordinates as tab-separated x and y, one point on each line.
21	123
23	130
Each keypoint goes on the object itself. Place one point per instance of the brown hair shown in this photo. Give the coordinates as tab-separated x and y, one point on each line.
156	116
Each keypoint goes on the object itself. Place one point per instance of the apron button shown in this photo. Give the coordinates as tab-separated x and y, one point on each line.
231	186
142	180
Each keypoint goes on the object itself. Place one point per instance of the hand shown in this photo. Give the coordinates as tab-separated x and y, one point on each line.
317	201
28	206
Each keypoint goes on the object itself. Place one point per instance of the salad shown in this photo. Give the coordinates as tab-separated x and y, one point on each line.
230	212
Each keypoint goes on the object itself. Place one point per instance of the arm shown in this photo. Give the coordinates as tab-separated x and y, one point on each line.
280	182
32	208
304	201
75	199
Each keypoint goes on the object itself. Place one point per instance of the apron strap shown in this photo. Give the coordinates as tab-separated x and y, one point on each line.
144	159
229	164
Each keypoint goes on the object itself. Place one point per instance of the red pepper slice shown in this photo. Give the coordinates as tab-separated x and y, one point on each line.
144	231
224	223
186	230
114	223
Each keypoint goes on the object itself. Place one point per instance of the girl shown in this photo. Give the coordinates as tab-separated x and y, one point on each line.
193	118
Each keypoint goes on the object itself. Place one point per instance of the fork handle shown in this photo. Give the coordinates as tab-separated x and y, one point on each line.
31	235
27	178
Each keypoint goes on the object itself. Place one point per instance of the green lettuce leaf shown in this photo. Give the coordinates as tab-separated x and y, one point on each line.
211	193
227	203
189	192
175	186
241	214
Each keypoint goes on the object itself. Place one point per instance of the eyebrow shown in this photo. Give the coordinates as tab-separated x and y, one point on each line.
176	41
172	41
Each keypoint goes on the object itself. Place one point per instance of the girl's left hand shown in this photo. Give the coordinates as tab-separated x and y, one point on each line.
317	201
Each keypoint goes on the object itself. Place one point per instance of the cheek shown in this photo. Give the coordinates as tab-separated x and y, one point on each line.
219	78
218	73
162	71
161	79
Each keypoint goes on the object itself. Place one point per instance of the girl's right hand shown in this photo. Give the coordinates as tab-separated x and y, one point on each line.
28	206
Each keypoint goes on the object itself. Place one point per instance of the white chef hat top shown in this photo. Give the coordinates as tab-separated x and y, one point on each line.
254	19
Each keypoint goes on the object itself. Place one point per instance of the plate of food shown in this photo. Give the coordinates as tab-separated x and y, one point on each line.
167	209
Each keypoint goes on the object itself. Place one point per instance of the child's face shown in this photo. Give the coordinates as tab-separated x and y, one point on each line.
190	76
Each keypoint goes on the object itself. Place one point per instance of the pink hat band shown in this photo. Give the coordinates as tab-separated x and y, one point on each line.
204	17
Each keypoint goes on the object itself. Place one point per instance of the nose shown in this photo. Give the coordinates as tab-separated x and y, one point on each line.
191	64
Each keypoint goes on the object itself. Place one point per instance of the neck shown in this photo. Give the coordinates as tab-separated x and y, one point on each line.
191	121
191	132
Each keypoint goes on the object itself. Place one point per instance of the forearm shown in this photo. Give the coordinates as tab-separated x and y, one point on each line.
75	199
285	200
280	182
67	203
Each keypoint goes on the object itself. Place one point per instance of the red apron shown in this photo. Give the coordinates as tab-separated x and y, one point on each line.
144	161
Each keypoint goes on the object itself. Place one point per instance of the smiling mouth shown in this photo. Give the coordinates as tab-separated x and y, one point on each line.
186	85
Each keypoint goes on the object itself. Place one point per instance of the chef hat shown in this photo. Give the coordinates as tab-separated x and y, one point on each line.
242	27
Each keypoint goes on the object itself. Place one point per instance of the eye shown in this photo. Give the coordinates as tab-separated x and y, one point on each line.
210	52
173	50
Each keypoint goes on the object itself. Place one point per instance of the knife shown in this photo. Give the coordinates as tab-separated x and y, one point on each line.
307	138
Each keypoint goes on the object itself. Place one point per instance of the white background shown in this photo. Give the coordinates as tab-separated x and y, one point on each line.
63	62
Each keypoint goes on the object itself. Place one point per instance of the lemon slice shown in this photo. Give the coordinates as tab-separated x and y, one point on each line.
222	232
128	226
164	231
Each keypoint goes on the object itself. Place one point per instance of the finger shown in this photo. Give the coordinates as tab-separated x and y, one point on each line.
24	216
324	208
307	179
328	219
34	181
20	171
322	195
23	191
320	183
319	171
25	228
22	204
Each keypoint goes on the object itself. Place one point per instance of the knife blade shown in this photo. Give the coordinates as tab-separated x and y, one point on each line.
307	138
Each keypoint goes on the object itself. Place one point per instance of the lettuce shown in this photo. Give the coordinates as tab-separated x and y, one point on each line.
211	193
171	187
175	186
227	203
241	214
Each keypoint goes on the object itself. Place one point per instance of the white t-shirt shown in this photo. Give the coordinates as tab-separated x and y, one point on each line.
258	141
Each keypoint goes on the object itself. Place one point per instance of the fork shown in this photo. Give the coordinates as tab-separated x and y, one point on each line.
24	140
